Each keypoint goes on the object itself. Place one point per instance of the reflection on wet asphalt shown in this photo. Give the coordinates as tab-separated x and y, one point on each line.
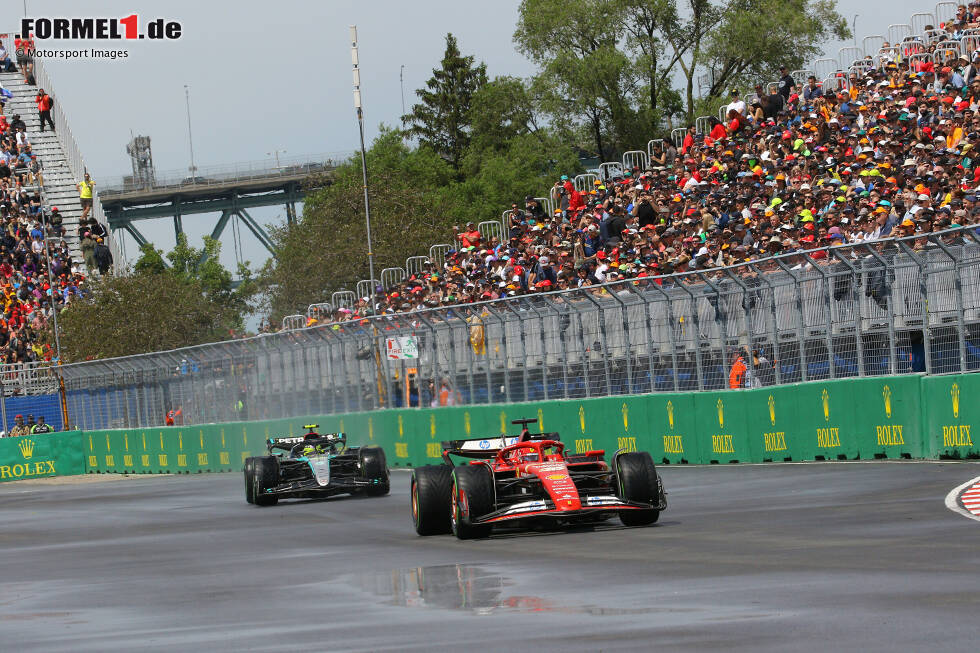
469	588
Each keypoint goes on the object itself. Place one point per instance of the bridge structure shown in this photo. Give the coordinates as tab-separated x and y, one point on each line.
225	192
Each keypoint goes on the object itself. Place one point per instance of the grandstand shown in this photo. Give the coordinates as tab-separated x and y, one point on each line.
828	232
41	250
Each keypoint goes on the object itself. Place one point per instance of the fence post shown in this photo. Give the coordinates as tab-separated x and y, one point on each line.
958	284
799	309
923	291
544	346
503	343
892	368
829	336
697	332
601	333
626	337
670	333
777	363
858	339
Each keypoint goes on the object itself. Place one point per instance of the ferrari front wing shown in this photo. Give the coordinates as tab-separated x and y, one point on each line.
591	505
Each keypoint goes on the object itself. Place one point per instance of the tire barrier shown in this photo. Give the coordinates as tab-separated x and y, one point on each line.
857	419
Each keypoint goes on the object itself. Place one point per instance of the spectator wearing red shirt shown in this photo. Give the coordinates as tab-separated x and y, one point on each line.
44	104
470	237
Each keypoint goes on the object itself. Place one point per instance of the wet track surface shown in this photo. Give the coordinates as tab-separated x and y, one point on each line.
780	557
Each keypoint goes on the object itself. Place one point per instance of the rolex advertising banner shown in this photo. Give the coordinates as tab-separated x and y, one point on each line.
907	416
952	416
48	454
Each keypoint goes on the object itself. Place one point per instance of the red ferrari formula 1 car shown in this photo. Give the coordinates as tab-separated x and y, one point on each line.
529	478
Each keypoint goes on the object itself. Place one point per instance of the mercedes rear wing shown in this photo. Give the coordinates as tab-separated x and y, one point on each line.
320	438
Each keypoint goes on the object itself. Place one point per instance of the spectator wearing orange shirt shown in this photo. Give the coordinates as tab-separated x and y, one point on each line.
736	377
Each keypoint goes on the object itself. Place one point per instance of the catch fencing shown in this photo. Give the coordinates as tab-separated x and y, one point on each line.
879	308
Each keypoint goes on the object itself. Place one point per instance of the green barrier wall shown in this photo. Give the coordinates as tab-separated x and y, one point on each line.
951	413
888	417
50	454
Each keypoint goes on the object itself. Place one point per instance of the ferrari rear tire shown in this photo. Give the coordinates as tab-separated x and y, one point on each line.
374	467
636	480
249	470
265	476
472	497
431	490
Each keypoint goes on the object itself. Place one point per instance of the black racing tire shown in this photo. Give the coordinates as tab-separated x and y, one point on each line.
265	476
472	484
374	467
636	480
249	469
431	490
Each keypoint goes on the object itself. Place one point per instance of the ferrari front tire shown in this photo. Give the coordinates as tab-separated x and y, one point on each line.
431	489
636	480
249	469
472	497
265	476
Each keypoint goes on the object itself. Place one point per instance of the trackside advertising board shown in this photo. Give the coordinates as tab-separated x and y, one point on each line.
34	456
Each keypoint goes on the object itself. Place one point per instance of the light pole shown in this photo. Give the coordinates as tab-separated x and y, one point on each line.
276	154
190	137
401	82
47	253
360	124
854	29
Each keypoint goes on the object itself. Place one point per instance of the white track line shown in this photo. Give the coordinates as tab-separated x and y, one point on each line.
954	495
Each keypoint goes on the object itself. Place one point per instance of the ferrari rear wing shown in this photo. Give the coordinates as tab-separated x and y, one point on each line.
485	448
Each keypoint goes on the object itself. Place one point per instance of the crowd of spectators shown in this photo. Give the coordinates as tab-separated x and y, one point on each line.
25	290
891	152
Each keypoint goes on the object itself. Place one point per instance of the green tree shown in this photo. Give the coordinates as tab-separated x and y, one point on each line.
746	41
584	73
157	308
441	118
503	109
793	33
325	250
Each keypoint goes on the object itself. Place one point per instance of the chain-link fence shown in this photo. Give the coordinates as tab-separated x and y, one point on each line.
884	307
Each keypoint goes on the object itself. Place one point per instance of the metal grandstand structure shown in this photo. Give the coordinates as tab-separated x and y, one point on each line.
884	307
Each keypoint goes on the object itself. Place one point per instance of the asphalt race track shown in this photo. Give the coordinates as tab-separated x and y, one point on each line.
812	557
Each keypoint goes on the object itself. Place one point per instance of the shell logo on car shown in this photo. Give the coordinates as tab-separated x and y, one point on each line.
556	477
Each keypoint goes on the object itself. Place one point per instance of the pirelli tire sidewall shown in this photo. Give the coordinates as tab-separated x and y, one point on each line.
473	493
374	467
265	477
430	496
249	471
637	481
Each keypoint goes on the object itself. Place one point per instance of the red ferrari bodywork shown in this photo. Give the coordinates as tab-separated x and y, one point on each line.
554	484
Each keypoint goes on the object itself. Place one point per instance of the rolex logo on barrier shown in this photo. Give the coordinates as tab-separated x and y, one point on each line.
670	414
886	394
825	398
721	414
954	393
26	448
772	410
